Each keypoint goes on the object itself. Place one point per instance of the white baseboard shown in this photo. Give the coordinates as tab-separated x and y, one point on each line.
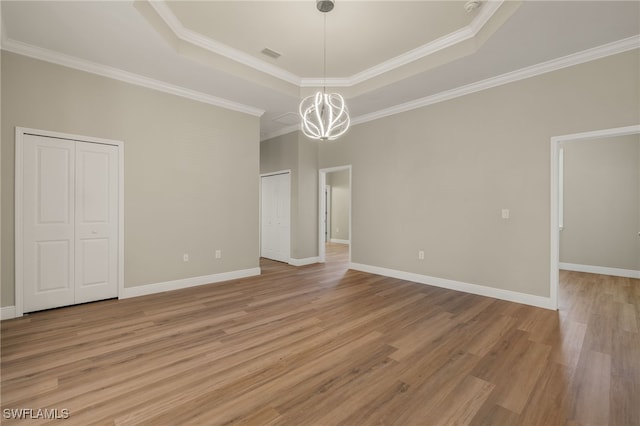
339	241
303	262
603	270
497	293
144	290
7	312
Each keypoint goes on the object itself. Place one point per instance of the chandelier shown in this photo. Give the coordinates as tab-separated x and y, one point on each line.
324	115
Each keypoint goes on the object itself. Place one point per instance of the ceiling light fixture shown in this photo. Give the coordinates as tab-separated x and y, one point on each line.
324	115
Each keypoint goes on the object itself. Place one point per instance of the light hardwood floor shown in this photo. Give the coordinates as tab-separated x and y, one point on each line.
321	345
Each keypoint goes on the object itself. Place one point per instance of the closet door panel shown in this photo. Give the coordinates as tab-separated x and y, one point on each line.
48	222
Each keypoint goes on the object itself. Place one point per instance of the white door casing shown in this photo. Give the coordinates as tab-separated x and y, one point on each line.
69	219
322	181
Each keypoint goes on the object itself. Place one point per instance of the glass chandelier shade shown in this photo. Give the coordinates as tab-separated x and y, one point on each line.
324	116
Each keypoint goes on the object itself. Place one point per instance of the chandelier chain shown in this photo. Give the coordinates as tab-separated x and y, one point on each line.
324	58
324	116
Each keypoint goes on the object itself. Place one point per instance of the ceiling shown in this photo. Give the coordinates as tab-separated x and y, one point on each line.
381	55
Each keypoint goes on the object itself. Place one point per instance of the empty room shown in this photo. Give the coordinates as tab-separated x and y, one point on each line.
320	212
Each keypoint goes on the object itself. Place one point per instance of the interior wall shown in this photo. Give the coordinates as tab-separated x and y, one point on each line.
308	185
339	182
280	154
437	178
2	293
299	154
602	203
190	168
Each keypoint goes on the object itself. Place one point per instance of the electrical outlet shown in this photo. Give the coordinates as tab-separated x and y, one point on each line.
185	257
505	213
337	230
421	254
218	254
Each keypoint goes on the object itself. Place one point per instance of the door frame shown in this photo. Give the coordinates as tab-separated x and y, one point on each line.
322	182
327	209
262	175
18	224
557	142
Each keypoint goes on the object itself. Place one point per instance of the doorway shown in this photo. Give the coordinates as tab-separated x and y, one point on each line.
68	220
335	190
557	209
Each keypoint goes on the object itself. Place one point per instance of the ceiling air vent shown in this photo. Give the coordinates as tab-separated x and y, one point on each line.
270	53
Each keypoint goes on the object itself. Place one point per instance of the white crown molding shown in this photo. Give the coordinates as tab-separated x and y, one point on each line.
486	12
599	52
444	42
451	39
595	53
125	76
214	46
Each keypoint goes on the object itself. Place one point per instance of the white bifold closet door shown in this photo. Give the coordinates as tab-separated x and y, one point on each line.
70	222
275	209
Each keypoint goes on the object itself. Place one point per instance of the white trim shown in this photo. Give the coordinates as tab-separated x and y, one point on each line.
7	312
595	53
602	270
326	214
18	187
599	52
279	172
303	262
442	43
125	76
555	144
18	225
322	181
144	290
339	241
465	33
561	189
216	47
497	293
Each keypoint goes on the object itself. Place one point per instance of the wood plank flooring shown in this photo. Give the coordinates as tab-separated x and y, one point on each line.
322	345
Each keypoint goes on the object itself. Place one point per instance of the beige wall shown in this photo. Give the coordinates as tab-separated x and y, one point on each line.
2	292
180	157
300	155
339	182
280	154
436	178
602	203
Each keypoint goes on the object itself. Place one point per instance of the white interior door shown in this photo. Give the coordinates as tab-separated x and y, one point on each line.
96	226
275	217
70	222
48	220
